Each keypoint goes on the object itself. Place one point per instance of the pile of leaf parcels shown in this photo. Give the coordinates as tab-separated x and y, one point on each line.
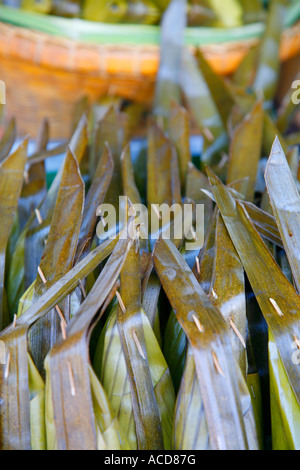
126	344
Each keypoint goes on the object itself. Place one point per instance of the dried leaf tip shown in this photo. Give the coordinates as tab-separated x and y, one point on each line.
237	332
71	379
276	306
198	324
121	303
217	364
138	344
7	366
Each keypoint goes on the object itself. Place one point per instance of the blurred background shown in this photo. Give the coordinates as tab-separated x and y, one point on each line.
54	53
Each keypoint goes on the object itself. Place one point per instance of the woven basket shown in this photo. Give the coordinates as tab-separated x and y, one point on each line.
45	74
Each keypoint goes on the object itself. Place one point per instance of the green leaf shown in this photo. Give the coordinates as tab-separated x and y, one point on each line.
172	40
163	183
31	242
94	198
34	187
199	100
269	62
285	200
217	87
110	366
245	149
37	407
284	406
8	139
190	425
179	129
11	180
195	182
175	345
58	255
107	428
228	289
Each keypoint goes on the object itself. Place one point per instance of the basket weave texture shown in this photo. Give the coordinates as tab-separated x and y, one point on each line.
45	75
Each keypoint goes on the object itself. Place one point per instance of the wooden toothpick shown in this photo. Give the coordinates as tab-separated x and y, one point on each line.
276	307
7	365
198	324
63	323
237	332
138	344
71	379
38	216
217	364
121	303
198	265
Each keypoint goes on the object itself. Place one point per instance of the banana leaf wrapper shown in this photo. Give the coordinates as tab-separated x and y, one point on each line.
35	186
207	335
68	365
31	242
245	149
11	180
15	430
168	76
200	101
58	256
285	201
163	181
276	297
269	63
8	138
130	364
152	416
180	136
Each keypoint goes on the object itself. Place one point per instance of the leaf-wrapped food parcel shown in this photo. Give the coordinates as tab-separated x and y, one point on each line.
67	364
14	388
216	368
279	304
